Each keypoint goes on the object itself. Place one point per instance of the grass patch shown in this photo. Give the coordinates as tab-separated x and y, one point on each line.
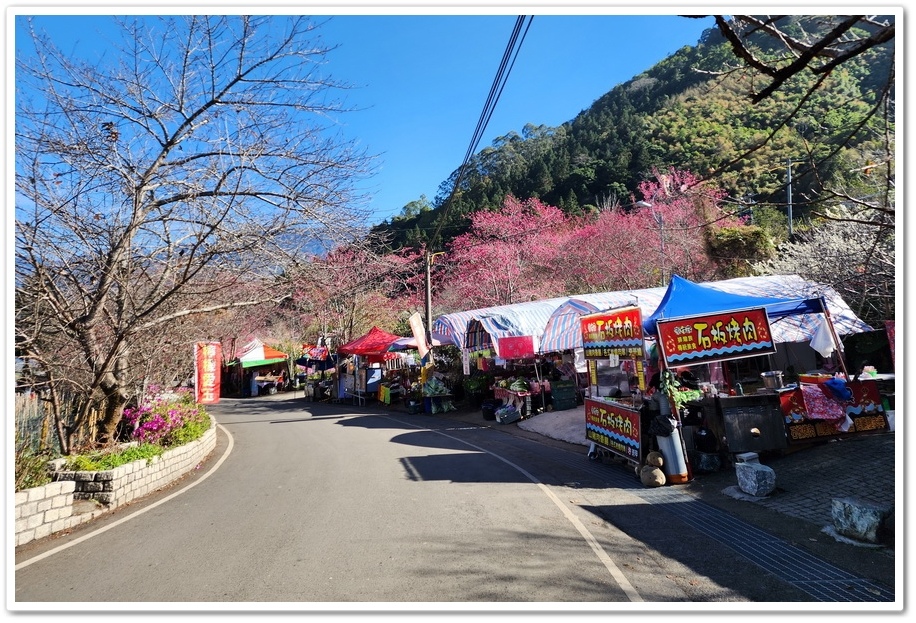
100	461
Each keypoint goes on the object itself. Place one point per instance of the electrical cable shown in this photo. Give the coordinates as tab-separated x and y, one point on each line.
496	89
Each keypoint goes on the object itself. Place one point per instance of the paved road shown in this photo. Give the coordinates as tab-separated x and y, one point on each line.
309	504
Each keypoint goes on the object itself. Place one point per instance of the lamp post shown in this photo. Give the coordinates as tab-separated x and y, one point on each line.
660	221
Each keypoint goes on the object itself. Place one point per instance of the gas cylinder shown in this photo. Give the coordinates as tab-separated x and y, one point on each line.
672	449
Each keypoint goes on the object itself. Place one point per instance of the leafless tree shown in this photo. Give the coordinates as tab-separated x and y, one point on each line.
783	49
837	40
180	173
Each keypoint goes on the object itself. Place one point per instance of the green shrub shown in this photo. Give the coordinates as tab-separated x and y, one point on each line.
98	461
159	426
193	428
168	421
32	469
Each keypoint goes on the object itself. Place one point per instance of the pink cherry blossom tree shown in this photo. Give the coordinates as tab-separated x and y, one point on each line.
507	256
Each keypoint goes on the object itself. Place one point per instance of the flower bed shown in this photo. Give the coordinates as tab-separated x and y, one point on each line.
41	511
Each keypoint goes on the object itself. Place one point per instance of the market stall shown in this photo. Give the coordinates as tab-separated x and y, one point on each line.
259	369
315	372
696	325
614	348
504	345
363	376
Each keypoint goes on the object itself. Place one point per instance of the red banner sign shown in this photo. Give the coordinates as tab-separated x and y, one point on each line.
318	353
520	347
207	359
891	332
614	427
716	337
618	332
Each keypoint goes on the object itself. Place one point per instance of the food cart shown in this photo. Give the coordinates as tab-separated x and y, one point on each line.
614	349
696	325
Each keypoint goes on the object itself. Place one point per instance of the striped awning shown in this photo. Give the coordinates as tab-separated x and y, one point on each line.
485	331
563	331
554	323
519	319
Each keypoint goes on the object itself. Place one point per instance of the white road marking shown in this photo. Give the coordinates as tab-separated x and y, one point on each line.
602	555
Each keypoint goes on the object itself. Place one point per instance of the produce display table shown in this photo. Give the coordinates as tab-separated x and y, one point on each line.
433	404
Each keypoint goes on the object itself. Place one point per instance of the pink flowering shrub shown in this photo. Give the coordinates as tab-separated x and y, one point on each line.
168	420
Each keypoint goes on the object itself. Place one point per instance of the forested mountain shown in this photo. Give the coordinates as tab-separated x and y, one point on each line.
691	112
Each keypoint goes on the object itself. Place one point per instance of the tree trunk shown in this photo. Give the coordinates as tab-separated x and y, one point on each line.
115	397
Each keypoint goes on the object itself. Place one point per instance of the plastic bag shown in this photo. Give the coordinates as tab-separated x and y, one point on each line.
661	426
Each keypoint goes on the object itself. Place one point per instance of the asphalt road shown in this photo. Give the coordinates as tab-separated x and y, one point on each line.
309	507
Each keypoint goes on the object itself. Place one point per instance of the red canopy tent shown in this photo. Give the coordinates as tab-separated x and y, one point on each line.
373	346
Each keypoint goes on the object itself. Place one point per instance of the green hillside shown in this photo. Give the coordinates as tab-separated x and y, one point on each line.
693	112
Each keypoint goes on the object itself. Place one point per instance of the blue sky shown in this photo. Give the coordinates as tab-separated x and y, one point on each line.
421	79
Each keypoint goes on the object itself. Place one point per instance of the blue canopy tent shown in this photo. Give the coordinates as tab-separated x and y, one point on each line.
796	317
686	298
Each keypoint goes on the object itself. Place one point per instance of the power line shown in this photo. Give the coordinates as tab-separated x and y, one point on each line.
496	89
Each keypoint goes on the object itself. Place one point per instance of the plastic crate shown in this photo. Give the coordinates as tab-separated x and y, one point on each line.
564	404
489	407
508	418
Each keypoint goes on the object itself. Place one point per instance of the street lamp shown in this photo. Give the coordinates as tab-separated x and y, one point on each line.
660	221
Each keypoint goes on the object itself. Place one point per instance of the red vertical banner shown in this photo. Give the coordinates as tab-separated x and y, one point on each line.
207	358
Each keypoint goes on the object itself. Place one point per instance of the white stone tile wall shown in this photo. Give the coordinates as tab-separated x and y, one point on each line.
41	511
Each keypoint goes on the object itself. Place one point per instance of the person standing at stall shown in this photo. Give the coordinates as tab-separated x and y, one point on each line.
253	383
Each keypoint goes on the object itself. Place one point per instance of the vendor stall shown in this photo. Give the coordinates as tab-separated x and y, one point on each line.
813	412
260	368
362	379
614	348
697	325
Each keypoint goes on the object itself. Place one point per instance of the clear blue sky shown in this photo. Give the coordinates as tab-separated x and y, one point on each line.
422	80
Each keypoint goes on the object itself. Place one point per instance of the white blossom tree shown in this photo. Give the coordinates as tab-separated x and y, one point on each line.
857	259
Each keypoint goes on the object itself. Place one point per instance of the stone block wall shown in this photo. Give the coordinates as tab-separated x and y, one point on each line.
41	511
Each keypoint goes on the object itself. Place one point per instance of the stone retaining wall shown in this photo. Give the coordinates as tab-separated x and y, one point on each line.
41	511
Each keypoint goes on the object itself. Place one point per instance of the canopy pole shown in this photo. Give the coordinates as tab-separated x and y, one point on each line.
836	338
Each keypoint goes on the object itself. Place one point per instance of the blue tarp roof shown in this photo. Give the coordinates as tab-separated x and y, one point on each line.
686	298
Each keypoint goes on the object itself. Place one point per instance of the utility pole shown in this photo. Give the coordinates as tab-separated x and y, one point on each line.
789	194
660	221
429	294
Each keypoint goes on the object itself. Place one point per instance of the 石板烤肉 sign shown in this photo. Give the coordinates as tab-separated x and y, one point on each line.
617	332
715	337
